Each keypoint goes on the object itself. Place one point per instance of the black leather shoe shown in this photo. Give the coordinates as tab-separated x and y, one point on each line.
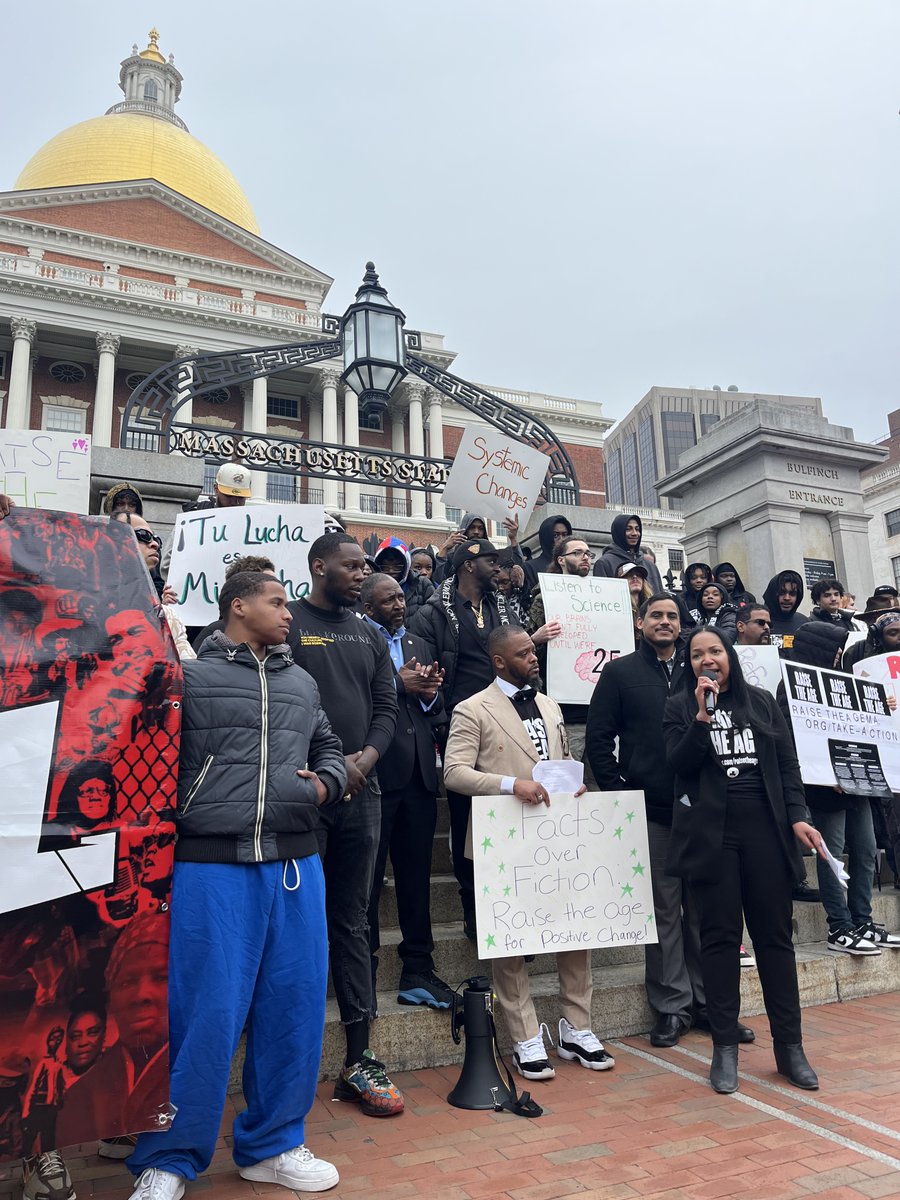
668	1029
700	1020
723	1070
803	891
791	1063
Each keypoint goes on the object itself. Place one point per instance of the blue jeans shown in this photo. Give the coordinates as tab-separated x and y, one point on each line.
852	830
247	945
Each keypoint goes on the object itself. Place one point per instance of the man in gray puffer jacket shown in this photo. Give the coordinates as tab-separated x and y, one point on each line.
248	943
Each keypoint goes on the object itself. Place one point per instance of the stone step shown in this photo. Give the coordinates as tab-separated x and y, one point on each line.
810	924
411	1038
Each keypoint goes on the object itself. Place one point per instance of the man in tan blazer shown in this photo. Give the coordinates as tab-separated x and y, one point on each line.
496	737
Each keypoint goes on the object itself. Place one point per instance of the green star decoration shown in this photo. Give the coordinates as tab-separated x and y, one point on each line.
512	833
617	832
627	889
485	889
507	890
634	853
491	940
492	814
615	804
638	869
487	843
649	918
629	817
502	868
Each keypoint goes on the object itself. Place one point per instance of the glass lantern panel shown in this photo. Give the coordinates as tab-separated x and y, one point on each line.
349	341
383	336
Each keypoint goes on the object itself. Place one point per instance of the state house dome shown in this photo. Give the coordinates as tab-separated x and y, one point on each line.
141	138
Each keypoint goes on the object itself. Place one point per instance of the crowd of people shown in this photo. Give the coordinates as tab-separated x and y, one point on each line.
313	732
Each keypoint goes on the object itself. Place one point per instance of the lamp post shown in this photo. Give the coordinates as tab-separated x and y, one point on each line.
374	352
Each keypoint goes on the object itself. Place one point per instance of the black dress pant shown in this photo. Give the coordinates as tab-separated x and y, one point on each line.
754	881
408	820
463	868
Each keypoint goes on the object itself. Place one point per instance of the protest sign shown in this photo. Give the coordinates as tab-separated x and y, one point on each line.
761	666
597	626
574	876
90	690
39	469
883	669
843	729
495	476
207	540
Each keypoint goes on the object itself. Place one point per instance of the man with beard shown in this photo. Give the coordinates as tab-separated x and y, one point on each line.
626	532
783	597
352	667
455	625
753	625
496	737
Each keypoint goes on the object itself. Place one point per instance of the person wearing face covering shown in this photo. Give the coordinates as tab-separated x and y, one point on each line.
625	548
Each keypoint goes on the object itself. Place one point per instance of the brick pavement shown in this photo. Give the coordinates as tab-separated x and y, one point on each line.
651	1128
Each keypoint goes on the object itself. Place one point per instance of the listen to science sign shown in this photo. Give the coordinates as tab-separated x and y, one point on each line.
495	476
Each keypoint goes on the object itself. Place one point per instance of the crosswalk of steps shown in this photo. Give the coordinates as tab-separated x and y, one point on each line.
406	1038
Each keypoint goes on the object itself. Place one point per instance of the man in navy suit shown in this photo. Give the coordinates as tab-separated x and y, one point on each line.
407	773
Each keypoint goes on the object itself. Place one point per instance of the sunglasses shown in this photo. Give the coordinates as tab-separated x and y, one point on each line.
760	621
147	538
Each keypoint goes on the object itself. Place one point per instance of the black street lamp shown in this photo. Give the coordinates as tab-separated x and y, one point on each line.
374	354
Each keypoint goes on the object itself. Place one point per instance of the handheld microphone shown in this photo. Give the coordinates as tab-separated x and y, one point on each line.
709	697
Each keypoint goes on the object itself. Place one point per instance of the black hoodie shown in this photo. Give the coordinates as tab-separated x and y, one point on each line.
784	627
739	593
691	596
618	553
544	560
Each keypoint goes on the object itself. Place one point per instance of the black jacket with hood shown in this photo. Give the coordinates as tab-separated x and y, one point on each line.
416	588
784	627
247	727
617	553
544	560
442	567
690	597
723	618
738	594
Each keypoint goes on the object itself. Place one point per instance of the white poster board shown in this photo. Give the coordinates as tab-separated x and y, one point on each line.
495	475
597	626
883	669
843	729
207	541
39	469
574	876
761	666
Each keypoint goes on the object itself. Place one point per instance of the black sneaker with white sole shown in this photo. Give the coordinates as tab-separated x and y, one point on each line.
878	936
582	1046
851	941
530	1058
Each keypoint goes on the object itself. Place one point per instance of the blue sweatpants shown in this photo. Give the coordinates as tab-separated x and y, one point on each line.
246	941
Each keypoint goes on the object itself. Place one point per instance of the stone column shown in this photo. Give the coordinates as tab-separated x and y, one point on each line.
852	556
330	379
18	404
259	421
185	414
314	407
398	433
101	425
351	441
772	536
436	445
416	394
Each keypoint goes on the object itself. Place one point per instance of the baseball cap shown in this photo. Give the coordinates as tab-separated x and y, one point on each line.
473	548
633	569
886	590
233	479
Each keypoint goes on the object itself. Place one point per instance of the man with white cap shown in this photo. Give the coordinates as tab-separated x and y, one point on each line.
232	490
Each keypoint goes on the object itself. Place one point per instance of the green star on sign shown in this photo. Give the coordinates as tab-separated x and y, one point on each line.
638	869
491	940
617	832
492	814
649	918
634	852
615	804
486	843
507	890
629	817
502	868
512	833
485	889
627	889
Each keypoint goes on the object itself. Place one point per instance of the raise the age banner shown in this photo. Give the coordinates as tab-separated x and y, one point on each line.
43	469
597	626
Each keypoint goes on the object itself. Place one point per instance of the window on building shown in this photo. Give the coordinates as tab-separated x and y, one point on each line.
895	563
455	515
370	503
281	489
707	420
135	440
892	522
647	464
209	478
151	91
2	364
372	421
134	380
68	372
216	396
630	482
676	560
281	406
678	435
61	419
561	492
400	506
614	477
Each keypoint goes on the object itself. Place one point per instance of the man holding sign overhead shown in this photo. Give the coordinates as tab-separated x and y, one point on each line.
497	737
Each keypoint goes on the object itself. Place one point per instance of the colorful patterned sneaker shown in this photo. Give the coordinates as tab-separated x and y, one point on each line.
366	1083
117	1147
878	935
297	1169
582	1046
747	959
530	1057
44	1177
424	987
155	1184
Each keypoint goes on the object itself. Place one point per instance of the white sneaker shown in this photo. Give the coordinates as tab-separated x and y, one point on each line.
155	1184
583	1046
851	941
45	1177
530	1057
297	1169
747	959
878	935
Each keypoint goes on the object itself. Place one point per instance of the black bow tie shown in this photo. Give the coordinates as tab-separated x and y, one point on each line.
527	693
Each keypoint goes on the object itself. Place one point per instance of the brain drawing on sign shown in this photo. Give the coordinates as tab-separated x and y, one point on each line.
90	690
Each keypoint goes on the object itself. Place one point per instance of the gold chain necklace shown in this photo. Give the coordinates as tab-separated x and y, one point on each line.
479	613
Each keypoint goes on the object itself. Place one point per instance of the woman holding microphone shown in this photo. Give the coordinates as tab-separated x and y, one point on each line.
739	819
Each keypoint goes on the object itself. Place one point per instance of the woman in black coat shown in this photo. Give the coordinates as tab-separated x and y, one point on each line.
739	819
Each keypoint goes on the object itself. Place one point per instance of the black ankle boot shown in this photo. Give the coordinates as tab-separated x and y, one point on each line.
791	1063
723	1070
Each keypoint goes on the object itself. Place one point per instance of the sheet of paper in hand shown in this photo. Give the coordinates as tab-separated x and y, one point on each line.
574	875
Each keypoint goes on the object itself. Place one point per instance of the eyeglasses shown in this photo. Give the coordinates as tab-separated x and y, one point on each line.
147	538
588	554
760	621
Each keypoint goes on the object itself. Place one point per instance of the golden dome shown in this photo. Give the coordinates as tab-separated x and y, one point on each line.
124	146
152	52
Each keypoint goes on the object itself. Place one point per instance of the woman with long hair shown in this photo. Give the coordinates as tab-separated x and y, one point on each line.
739	820
717	610
638	589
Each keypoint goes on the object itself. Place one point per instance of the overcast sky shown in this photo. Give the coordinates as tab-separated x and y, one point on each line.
586	198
